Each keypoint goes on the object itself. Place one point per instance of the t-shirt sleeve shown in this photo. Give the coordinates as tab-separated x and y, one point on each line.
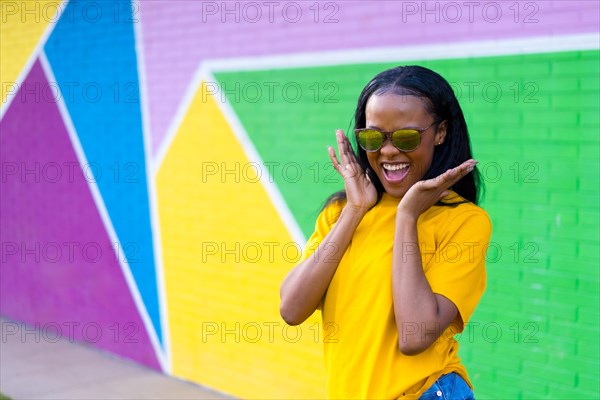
325	222
457	269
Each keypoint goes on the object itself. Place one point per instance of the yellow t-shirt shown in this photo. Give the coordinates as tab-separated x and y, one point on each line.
362	356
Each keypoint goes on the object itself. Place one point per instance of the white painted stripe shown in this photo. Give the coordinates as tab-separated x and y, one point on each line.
165	354
436	51
484	48
253	156
32	57
201	75
95	191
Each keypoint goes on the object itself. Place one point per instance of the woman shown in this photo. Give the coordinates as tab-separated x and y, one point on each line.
397	259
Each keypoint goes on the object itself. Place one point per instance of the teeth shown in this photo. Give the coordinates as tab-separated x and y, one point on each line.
394	167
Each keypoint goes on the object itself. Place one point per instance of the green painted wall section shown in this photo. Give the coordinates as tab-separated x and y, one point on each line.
534	126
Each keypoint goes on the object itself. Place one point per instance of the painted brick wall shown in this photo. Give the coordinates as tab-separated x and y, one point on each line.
228	176
541	195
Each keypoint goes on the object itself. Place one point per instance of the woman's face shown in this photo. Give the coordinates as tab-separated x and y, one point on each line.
397	170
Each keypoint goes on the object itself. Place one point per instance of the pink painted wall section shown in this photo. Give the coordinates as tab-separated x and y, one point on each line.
53	240
215	29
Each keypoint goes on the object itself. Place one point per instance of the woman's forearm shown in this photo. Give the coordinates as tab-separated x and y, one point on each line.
304	287
421	315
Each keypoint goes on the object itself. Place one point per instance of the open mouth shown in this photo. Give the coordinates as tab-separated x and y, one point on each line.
395	173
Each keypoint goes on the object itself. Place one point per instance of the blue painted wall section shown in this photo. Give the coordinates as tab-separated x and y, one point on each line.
100	87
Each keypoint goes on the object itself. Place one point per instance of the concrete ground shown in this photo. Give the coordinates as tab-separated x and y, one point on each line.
64	370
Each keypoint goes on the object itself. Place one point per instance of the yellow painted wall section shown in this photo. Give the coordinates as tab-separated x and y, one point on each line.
225	253
22	24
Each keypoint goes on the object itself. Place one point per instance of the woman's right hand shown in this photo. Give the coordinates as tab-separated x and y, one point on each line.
304	286
361	194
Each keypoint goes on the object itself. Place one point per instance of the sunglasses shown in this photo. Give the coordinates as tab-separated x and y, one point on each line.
403	139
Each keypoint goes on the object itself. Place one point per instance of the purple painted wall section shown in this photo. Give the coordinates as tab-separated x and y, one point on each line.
211	29
53	240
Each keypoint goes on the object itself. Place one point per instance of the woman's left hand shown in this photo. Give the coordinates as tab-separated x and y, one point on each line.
424	194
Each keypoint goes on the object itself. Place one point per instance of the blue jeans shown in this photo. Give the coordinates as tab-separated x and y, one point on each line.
449	387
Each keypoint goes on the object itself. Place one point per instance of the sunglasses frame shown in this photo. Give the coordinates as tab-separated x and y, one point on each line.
388	136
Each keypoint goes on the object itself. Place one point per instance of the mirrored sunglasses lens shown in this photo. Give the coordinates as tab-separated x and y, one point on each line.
370	140
406	140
